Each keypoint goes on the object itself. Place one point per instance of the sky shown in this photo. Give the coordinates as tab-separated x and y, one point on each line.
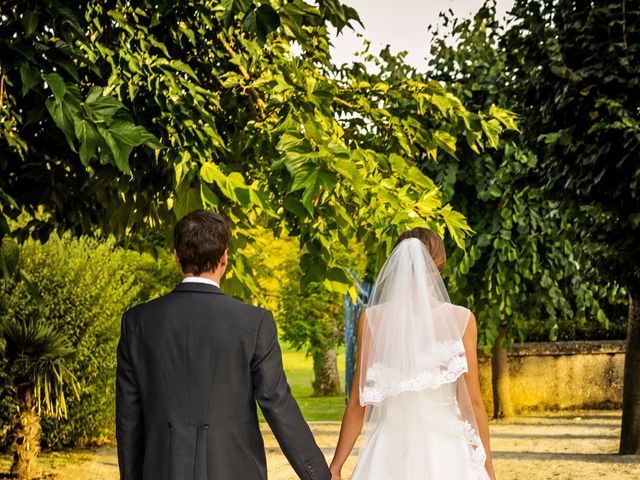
402	24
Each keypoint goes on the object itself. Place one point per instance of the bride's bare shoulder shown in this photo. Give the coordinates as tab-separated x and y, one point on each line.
464	316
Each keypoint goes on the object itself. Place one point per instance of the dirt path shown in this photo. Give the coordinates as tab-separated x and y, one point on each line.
554	446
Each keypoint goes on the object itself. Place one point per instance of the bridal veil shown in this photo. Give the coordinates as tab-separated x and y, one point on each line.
411	373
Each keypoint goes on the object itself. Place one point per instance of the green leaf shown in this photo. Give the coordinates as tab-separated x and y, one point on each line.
102	106
30	77
456	224
120	150
304	176
95	93
89	138
291	141
337	280
232	186
187	200
492	130
183	67
507	118
4	226
442	103
159	45
129	134
69	67
323	92
293	205
313	267
191	36
9	256
262	21
56	84
446	142
231	7
30	22
63	118
208	196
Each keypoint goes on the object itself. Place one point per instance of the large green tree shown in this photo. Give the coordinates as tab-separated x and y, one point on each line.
522	266
124	115
576	70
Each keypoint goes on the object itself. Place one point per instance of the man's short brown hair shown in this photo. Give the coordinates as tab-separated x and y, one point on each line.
200	239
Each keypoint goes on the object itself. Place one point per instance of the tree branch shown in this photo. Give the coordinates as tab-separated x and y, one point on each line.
255	96
624	25
345	103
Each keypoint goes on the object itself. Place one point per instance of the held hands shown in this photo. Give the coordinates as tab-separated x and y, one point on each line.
335	473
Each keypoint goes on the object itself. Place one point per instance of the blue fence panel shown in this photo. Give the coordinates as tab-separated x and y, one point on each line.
352	314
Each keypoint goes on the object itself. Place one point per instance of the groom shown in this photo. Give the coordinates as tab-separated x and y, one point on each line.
191	367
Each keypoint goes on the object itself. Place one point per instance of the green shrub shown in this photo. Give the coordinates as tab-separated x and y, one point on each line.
86	285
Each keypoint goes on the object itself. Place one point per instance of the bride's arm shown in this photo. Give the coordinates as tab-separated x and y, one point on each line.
353	418
470	340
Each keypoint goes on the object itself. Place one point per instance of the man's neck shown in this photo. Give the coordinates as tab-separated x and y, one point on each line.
215	276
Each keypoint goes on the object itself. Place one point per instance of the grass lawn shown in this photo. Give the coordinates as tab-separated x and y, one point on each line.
299	371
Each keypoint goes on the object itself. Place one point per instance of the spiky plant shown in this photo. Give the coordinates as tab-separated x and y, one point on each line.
38	359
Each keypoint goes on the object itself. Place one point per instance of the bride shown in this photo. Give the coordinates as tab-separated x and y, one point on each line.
416	388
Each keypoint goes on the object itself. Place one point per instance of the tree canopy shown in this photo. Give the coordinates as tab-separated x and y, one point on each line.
562	235
124	115
522	268
576	72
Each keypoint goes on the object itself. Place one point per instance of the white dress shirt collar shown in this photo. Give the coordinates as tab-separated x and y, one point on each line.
199	280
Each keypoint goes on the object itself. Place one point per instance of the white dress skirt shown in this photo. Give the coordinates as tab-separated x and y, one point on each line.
420	435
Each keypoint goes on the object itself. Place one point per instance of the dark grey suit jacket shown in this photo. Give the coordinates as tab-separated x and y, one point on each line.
191	367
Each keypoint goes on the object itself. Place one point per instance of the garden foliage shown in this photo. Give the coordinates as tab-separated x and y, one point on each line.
81	287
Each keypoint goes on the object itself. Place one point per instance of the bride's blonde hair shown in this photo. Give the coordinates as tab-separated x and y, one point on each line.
431	240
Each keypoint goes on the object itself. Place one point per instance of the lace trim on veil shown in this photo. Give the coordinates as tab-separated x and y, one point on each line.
382	380
476	449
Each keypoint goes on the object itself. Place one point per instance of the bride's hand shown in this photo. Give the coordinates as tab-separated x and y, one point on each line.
335	473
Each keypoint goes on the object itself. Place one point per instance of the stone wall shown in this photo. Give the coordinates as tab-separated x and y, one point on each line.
560	375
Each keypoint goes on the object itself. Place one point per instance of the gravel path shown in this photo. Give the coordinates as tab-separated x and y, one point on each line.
550	446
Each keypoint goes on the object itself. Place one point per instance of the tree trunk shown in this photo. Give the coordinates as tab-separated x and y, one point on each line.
630	434
26	443
327	378
502	406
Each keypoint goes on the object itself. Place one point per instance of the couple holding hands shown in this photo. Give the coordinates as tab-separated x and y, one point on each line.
193	364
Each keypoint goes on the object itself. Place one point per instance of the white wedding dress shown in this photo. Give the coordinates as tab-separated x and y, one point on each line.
419	420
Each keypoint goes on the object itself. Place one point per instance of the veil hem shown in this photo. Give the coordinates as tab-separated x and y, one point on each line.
383	382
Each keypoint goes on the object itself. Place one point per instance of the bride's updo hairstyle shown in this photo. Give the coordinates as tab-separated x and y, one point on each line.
431	240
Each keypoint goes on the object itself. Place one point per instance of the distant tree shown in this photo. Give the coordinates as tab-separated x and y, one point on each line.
312	317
